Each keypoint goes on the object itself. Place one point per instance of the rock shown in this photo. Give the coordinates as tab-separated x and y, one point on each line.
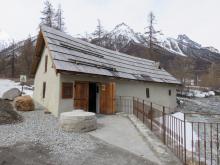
24	103
7	113
11	94
78	121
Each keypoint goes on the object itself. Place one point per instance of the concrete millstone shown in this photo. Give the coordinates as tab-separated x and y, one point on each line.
78	121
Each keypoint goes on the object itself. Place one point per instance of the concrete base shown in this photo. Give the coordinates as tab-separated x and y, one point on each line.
78	121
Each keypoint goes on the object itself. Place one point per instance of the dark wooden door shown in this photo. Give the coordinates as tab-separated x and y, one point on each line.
107	98
81	95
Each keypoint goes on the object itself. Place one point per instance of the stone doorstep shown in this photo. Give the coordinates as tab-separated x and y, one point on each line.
163	153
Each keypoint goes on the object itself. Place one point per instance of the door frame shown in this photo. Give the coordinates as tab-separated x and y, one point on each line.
103	104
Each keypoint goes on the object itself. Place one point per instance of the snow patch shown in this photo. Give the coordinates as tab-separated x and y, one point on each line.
189	132
6	84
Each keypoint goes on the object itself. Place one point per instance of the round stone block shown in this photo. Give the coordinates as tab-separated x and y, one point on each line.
78	121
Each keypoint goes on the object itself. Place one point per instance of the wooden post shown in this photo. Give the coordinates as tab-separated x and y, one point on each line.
133	106
120	104
151	116
143	112
137	106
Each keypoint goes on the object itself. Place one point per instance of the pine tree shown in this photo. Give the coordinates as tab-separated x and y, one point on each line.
59	19
48	14
151	35
98	33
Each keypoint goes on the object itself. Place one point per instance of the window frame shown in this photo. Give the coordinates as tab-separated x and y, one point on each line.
44	89
45	64
169	92
147	92
67	86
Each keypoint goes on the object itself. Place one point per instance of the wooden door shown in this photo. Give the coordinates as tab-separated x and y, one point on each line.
107	98
81	95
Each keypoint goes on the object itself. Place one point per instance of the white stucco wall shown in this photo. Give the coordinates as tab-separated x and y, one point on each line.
159	93
52	95
55	104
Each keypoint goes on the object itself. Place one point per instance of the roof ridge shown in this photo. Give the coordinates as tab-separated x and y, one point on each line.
96	46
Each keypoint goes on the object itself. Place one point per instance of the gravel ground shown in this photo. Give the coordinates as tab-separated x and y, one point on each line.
40	128
38	140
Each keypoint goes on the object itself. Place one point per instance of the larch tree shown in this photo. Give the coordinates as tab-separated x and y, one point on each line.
48	14
150	34
59	19
98	33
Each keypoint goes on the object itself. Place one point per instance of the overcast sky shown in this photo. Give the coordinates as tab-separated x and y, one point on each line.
199	19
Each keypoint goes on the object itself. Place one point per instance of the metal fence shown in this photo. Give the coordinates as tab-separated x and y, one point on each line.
192	137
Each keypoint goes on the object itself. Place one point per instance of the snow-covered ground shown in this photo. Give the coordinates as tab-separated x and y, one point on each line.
189	132
6	84
199	94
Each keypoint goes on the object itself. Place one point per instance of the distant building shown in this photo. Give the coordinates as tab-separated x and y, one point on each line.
72	74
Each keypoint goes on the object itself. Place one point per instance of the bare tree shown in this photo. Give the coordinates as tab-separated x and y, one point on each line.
151	35
13	56
182	68
26	55
48	14
59	19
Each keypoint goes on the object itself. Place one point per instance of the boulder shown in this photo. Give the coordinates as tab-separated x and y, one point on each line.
7	113
24	103
11	94
78	121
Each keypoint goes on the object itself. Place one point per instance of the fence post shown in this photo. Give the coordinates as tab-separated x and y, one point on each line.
164	127
133	105
120	104
184	138
143	112
151	116
137	106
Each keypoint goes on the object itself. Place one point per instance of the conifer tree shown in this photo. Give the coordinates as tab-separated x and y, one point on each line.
151	35
48	14
98	33
59	19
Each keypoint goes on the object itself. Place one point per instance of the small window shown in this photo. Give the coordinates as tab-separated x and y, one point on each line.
67	90
44	89
147	93
169	92
46	59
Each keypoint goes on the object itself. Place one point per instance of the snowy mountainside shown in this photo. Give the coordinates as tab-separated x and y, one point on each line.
124	31
4	39
123	36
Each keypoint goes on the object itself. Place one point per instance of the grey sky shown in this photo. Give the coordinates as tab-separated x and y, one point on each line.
199	19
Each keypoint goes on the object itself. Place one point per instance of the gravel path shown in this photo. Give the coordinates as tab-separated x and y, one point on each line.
40	128
38	140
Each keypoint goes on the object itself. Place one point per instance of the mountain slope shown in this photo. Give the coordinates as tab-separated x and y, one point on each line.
122	37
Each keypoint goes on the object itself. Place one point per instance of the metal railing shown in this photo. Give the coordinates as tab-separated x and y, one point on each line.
192	137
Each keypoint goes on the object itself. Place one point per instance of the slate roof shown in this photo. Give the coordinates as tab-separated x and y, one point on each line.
74	55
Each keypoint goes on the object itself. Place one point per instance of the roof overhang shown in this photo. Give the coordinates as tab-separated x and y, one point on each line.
38	52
